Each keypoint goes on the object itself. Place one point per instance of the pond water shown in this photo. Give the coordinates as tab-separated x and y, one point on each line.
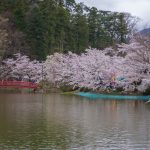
61	122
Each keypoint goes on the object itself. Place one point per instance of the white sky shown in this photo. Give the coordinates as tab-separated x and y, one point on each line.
139	8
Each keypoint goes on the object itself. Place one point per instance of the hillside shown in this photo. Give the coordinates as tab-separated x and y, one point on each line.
145	32
12	40
39	28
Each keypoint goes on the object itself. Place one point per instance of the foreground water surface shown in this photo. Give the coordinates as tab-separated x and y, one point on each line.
59	122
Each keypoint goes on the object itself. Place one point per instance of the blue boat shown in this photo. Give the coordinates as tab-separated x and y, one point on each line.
107	96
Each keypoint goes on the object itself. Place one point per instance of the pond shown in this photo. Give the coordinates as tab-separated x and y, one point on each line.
61	122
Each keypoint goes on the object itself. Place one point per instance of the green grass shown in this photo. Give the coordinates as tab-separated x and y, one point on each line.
68	93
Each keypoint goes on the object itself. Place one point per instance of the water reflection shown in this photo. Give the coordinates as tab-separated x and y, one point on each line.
60	122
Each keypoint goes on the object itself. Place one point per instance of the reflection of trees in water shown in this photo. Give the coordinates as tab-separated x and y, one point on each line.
26	124
63	122
113	104
136	106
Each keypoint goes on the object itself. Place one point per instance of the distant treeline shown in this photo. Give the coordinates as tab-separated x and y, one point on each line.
64	25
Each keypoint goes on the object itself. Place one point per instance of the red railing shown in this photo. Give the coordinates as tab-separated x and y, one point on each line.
18	84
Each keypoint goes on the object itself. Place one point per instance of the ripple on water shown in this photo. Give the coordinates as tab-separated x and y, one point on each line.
71	123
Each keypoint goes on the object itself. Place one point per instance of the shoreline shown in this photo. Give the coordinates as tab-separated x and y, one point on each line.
70	91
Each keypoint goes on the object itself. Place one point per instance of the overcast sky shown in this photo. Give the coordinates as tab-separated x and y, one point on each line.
139	8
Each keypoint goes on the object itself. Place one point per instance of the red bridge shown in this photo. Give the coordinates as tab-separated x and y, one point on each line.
18	84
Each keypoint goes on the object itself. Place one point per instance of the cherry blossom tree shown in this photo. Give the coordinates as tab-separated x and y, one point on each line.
127	66
21	68
97	69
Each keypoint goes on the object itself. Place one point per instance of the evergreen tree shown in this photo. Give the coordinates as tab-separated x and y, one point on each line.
49	11
37	34
122	28
63	25
19	13
80	26
62	21
70	4
93	26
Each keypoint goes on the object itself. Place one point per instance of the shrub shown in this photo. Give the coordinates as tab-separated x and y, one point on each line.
147	91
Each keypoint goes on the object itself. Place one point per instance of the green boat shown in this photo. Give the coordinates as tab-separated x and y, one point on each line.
107	96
